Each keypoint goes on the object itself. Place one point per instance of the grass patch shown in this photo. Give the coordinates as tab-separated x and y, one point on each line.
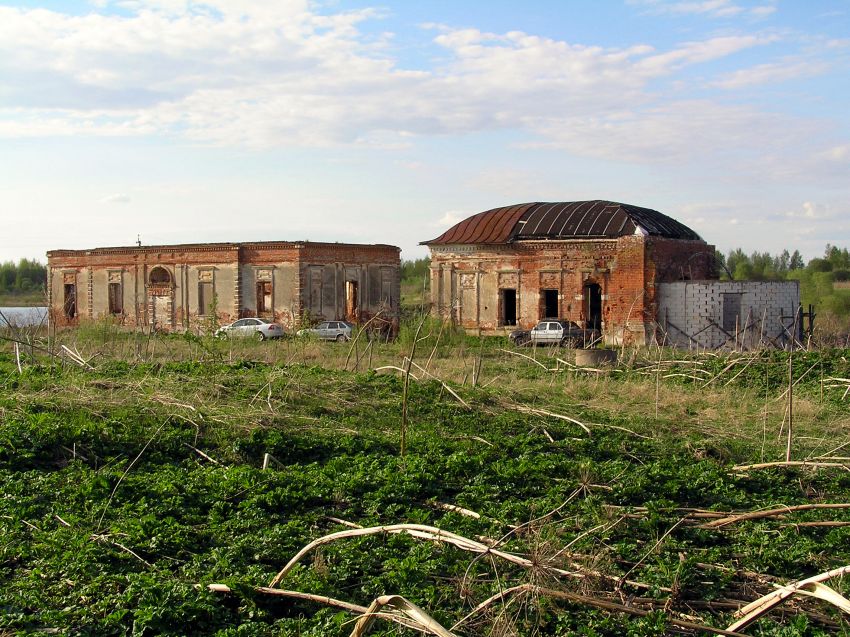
128	485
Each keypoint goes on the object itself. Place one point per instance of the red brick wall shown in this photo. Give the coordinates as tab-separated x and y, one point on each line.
183	262
626	269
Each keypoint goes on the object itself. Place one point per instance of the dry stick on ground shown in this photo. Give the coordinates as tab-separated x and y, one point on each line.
531	358
201	453
320	599
756	515
756	609
422	532
105	538
792	463
588	601
398	603
542	412
396	368
445	386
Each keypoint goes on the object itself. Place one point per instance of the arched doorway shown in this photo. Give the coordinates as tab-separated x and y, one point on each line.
593	305
160	297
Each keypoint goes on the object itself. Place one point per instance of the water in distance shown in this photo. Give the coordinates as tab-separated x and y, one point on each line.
22	316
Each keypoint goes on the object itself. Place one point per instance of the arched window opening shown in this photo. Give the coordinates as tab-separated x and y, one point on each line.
160	276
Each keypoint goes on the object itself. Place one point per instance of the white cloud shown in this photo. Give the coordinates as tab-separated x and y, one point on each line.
707	8
267	74
770	72
450	218
810	211
264	74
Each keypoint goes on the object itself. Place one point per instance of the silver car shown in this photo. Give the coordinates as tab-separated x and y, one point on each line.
330	331
564	333
258	328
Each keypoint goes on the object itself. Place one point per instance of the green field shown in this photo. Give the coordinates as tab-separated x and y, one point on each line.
130	487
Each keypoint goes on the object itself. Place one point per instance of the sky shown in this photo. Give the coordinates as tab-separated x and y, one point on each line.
175	121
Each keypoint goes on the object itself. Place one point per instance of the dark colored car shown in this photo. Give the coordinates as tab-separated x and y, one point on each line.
556	332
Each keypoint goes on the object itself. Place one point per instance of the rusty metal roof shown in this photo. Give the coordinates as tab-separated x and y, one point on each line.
562	220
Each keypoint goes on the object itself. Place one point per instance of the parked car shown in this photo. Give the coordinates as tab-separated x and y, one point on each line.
556	332
259	328
330	331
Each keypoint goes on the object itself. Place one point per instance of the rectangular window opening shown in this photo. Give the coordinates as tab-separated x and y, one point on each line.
549	304
507	303
264	298
205	299
70	304
116	304
351	301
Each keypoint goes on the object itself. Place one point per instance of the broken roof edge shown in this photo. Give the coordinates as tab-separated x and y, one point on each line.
574	220
209	247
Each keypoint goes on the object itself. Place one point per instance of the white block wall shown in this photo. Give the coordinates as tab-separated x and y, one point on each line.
690	313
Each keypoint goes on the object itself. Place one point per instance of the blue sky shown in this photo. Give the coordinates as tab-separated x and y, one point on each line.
241	120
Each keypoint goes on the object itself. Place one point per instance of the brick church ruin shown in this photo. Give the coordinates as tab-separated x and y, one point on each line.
180	287
601	264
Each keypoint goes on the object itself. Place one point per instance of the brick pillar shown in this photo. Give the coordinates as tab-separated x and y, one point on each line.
90	292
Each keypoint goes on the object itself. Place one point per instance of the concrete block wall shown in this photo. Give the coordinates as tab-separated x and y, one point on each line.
690	313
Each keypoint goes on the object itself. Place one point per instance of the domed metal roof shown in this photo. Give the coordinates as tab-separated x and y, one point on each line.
562	220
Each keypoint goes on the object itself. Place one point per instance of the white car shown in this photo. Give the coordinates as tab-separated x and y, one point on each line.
330	331
258	328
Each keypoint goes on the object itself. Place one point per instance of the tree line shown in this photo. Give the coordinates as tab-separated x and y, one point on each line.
818	277
27	275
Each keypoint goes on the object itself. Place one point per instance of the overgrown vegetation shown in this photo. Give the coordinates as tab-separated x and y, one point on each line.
131	486
817	278
22	283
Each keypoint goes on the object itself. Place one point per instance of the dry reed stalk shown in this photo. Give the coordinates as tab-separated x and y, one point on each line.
420	531
105	539
456	509
396	368
201	453
751	612
357	338
589	601
280	592
406	388
422	620
767	513
797	381
436	343
126	471
827	523
18	358
792	463
531	358
351	525
445	386
624	577
543	412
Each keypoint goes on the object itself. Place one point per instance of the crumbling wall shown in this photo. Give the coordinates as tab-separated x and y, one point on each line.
468	282
727	314
209	284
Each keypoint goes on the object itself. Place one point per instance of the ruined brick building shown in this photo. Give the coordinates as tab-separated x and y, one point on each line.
598	263
179	287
